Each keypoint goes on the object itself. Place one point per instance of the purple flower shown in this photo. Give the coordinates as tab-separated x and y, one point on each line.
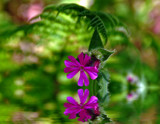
73	67
132	96
96	63
83	110
132	78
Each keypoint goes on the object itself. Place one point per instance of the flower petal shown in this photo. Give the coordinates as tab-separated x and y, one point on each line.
69	64
86	94
86	81
96	64
91	106
86	59
83	77
71	100
92	69
80	81
69	105
68	111
92	103
92	100
83	97
69	69
73	60
80	94
81	58
72	74
92	72
74	114
71	111
84	116
72	107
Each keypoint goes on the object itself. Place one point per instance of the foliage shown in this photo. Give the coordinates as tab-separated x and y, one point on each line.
32	56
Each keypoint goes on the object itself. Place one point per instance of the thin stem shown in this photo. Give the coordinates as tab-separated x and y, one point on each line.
92	87
95	87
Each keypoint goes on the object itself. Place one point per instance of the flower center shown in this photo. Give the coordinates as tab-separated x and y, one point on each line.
82	107
82	68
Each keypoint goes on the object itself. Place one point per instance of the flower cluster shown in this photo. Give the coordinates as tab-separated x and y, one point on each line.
87	67
135	87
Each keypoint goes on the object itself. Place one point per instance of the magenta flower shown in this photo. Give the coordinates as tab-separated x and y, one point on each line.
97	63
132	96
132	78
83	110
73	67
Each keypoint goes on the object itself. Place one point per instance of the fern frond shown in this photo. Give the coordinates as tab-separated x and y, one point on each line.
96	22
105	23
112	23
75	7
83	13
73	16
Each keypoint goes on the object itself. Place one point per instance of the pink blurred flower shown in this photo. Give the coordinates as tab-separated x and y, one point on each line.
156	26
132	78
155	19
83	110
73	66
132	96
34	10
28	11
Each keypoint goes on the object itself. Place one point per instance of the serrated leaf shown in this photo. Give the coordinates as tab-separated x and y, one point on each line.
97	22
113	24
105	119
105	53
103	81
101	54
105	23
95	41
93	20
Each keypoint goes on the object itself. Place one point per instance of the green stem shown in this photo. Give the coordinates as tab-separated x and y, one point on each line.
95	87
92	87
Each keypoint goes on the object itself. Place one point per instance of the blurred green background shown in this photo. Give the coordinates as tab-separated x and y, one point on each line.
33	86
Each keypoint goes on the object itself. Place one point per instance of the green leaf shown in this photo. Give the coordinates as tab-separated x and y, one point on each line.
105	53
101	54
96	22
95	41
101	119
64	7
105	119
113	24
73	15
105	23
102	82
